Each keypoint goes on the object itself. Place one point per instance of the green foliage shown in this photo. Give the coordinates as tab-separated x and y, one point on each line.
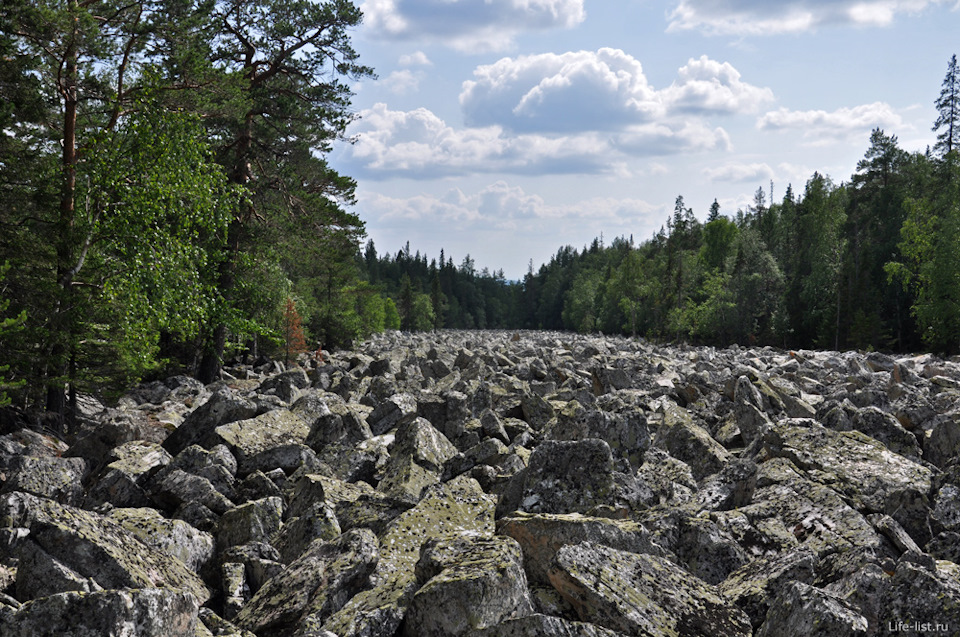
8	326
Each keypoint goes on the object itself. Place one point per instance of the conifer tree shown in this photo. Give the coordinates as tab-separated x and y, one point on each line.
947	124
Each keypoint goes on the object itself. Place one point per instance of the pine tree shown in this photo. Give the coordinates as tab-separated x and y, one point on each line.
947	125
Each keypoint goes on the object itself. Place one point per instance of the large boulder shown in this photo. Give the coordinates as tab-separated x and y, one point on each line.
78	545
564	477
802	610
446	511
314	586
468	583
642	594
542	535
176	538
146	612
859	467
249	438
685	440
222	407
54	478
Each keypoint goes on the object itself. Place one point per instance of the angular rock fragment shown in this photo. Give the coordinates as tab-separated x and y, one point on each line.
542	535
468	583
222	407
315	585
641	594
805	611
95	548
145	612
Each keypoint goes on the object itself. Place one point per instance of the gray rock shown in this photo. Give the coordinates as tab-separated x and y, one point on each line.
564	477
395	411
94	547
805	611
54	478
542	535
627	434
250	438
124	478
683	439
943	445
296	534
222	407
754	585
641	594
176	488
544	626
469	583
446	510
146	612
254	521
176	538
316	585
859	467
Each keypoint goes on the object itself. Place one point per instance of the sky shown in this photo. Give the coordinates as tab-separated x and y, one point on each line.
506	129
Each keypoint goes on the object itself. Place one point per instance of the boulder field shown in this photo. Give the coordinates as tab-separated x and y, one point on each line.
497	484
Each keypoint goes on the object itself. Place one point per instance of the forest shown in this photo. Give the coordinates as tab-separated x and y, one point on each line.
167	205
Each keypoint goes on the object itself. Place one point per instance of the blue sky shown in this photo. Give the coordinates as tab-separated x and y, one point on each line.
505	129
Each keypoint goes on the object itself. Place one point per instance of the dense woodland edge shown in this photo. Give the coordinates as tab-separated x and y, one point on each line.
166	204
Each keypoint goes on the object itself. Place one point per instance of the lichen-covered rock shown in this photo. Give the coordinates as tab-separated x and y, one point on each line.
542	535
176	488
251	437
468	583
804	611
754	585
943	446
854	464
685	440
399	409
627	434
54	478
921	594
222	407
124	478
254	521
642	594
146	612
296	534
176	538
544	626
94	547
421	442
446	510
315	585
564	477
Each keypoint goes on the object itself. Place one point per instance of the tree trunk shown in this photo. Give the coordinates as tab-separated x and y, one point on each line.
59	350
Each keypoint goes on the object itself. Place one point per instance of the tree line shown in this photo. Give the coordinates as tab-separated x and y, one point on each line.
869	263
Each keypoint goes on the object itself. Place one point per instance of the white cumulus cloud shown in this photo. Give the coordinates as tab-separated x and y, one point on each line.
469	25
827	125
417	58
419	145
740	173
709	86
763	17
599	90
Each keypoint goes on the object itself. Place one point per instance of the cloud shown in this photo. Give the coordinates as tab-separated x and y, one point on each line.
582	90
500	206
763	17
740	173
402	82
469	25
708	86
598	90
417	58
419	145
826	126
